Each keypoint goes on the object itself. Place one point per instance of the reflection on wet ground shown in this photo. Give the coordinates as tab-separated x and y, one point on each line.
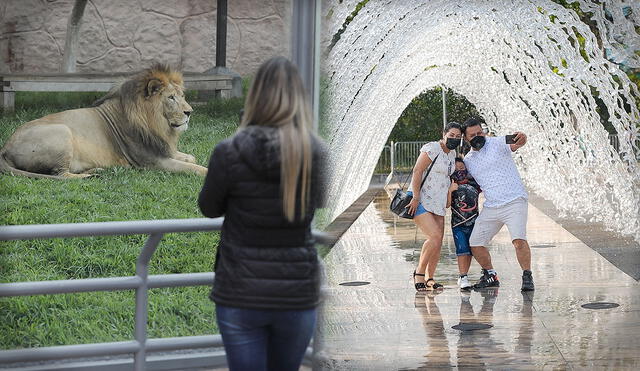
386	325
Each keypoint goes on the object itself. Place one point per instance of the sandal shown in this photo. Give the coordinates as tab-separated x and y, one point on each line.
420	286
435	285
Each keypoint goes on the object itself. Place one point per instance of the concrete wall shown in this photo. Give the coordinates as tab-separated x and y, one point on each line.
127	35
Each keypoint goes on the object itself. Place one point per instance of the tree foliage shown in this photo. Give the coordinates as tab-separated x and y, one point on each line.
422	119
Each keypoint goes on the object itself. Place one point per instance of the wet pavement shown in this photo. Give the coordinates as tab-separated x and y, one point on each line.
386	325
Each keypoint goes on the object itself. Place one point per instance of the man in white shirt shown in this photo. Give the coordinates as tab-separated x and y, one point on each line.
491	164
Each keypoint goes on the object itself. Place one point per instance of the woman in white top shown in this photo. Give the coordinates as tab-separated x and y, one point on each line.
428	207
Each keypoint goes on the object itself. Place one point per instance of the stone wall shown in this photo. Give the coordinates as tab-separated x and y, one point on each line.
127	35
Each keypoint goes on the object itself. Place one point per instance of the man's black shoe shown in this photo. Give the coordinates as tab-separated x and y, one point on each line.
527	281
487	280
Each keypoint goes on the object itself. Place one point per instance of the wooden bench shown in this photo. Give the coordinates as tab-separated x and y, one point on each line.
11	83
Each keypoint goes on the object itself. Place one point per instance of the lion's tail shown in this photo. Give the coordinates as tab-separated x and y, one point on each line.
5	167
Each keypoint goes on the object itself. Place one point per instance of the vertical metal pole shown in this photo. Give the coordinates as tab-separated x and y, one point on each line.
392	150
221	34
305	54
444	108
305	47
315	96
142	271
317	363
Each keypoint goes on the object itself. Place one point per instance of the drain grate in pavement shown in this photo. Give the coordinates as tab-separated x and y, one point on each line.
471	326
600	305
355	283
542	246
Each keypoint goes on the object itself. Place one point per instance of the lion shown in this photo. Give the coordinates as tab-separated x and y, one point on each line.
136	124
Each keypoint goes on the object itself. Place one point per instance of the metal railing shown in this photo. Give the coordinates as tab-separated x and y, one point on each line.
405	155
615	142
398	156
141	282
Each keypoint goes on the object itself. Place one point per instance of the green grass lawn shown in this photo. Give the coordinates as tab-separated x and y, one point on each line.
118	194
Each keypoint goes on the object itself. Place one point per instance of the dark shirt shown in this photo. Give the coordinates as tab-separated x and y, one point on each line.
464	203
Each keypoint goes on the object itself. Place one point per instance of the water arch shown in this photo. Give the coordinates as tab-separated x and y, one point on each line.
526	65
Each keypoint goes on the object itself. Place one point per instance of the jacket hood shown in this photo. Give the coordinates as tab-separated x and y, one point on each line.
259	148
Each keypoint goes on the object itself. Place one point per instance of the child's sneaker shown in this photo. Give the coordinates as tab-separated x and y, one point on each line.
463	282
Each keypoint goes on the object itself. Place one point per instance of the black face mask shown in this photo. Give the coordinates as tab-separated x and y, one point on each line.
459	175
452	143
477	142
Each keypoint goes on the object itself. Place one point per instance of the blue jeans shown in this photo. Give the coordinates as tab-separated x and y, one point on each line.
461	236
257	340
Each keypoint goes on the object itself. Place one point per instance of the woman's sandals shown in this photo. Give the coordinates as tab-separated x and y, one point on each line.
433	286
424	286
420	286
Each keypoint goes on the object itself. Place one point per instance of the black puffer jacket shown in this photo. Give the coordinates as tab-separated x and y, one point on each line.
263	261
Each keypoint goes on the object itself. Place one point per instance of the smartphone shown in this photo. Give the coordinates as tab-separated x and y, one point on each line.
511	139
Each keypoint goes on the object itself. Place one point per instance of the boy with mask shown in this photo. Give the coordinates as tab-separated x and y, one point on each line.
463	199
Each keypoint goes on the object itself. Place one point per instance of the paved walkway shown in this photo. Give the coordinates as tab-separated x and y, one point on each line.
385	325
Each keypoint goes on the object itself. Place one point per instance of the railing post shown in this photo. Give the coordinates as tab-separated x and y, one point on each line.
142	271
392	150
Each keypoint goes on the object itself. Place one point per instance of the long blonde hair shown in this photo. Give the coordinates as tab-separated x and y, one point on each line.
277	98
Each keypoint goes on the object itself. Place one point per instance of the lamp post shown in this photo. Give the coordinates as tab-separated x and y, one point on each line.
444	108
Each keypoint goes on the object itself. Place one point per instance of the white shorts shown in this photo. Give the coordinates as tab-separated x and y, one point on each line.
491	220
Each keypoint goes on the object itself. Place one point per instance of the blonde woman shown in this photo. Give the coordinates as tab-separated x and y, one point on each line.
429	202
266	181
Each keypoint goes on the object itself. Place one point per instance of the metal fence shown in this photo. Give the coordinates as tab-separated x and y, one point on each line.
398	156
405	155
141	282
615	142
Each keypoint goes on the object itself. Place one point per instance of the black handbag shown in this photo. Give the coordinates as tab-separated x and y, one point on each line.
402	198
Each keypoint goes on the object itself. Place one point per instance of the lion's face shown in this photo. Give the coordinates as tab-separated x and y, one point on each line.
175	108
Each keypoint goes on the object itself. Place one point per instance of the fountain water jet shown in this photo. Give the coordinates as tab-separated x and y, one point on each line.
528	65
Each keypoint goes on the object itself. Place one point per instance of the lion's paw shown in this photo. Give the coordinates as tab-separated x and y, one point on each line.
185	158
189	158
